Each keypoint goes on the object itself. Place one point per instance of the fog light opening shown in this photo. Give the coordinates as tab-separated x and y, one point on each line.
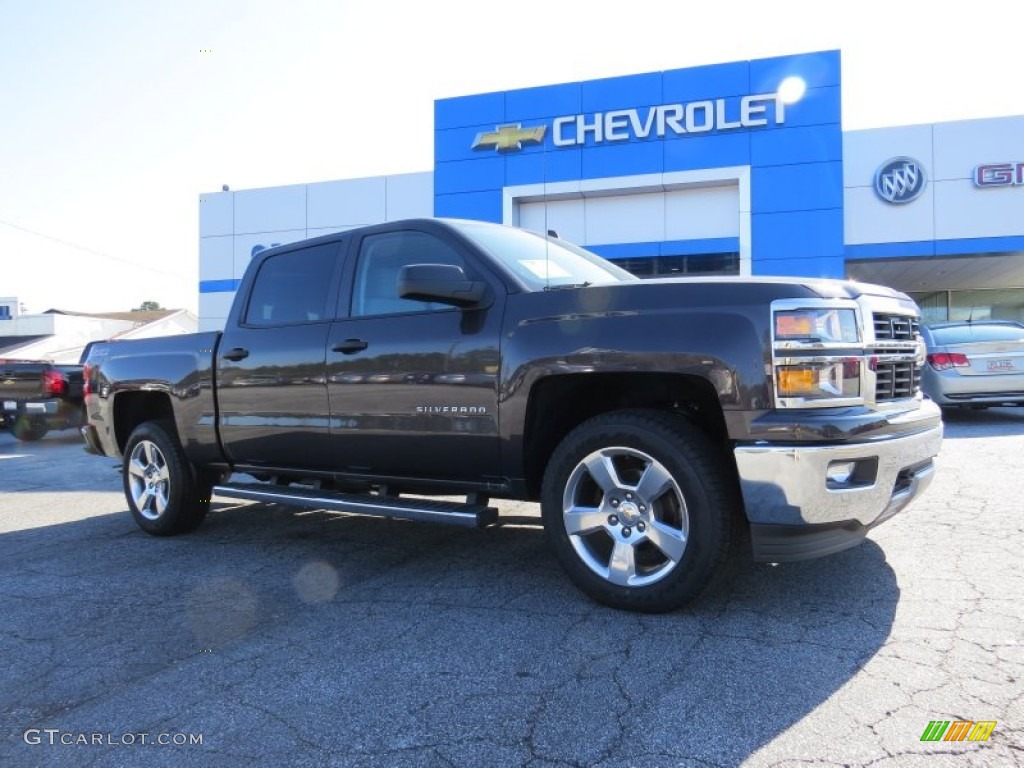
846	474
840	473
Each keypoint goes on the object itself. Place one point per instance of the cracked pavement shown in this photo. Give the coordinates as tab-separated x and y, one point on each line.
289	637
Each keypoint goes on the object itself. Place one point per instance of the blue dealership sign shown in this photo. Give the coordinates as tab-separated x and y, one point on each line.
734	115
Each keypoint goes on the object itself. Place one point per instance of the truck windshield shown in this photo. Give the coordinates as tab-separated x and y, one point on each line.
542	262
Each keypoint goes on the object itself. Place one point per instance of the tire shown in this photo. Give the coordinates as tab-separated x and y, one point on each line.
29	430
165	494
639	507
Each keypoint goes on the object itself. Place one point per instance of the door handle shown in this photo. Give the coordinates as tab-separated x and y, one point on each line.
348	346
236	354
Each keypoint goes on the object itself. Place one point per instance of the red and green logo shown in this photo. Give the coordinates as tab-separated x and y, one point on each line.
958	730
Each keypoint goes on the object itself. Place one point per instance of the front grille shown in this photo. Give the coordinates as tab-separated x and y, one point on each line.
896	380
902	378
896	327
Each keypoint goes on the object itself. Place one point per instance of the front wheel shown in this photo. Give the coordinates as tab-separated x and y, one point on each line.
638	508
165	494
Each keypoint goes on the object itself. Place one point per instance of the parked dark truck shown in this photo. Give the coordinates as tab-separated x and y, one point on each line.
653	420
37	396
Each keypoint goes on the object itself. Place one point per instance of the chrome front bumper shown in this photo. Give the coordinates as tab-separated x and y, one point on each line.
787	485
794	514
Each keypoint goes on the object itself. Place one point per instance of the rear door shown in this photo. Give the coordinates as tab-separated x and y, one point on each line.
271	381
413	384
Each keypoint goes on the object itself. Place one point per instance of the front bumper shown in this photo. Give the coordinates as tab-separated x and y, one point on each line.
796	512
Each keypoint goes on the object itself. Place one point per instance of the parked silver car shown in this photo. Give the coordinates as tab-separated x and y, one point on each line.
976	364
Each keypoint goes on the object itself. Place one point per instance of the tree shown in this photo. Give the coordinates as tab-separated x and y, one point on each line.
148	306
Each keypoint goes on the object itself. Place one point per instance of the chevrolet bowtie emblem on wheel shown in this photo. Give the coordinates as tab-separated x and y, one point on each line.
509	138
899	180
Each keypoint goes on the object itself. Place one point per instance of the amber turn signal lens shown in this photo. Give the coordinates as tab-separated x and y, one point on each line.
794	382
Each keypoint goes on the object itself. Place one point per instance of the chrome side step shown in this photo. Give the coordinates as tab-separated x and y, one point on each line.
423	510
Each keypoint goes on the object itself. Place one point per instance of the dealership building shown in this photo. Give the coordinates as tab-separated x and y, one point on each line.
740	168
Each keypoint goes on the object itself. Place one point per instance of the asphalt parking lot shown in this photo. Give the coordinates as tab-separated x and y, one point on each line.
287	637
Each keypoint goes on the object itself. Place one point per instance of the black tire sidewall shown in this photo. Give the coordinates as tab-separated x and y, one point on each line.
691	459
184	511
28	430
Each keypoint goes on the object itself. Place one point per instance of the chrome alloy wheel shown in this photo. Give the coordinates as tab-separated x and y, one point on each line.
625	516
149	479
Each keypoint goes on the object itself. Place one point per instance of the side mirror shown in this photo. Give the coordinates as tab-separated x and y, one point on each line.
443	283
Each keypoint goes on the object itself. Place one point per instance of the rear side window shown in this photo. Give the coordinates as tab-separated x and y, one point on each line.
965	334
292	287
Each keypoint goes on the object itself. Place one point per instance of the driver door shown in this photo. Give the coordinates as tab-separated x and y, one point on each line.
413	384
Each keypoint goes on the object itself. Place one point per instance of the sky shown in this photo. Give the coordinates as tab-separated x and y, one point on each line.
115	116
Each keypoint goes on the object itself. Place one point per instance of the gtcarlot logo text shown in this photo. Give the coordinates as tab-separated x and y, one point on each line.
55	736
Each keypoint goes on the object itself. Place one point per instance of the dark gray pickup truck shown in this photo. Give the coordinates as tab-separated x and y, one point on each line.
655	421
37	396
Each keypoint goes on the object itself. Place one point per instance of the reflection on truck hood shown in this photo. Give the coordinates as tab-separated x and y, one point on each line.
826	288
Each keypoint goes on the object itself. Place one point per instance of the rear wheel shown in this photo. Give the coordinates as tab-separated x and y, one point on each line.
29	429
638	508
165	494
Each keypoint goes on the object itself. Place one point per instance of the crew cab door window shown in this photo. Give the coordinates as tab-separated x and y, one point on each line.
375	288
292	288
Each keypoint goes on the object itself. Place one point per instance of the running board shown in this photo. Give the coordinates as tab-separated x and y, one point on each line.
422	510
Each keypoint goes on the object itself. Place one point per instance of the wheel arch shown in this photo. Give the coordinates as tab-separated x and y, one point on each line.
559	404
165	494
134	408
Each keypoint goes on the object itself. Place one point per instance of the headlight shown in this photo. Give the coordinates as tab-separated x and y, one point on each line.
818	353
833	380
827	326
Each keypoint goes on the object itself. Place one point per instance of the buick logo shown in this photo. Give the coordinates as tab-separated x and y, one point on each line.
899	180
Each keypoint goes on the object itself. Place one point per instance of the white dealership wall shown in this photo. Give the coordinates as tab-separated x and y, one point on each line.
698	206
678	213
958	248
951	207
233	224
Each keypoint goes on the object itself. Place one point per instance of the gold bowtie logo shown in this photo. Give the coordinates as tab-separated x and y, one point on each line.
509	138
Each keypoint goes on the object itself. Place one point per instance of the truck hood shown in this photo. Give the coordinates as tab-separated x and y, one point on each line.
824	287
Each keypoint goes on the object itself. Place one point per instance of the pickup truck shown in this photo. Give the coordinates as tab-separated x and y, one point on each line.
657	422
37	396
